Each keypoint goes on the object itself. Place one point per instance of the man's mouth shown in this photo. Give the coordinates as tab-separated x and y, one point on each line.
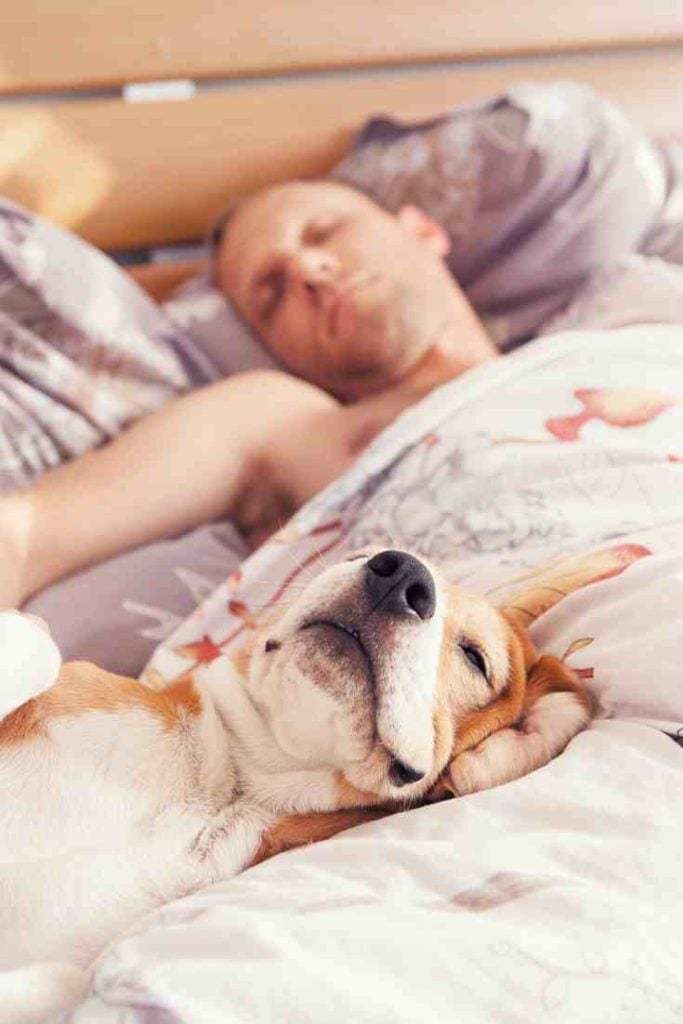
335	312
341	302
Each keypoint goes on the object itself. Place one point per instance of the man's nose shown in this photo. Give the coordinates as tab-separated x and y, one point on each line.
399	584
312	269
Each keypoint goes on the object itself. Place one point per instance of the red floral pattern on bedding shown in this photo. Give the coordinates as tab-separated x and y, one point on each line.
620	407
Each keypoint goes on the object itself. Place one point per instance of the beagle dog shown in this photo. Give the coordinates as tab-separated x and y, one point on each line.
380	687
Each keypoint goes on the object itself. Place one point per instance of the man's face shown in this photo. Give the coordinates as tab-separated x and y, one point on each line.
344	294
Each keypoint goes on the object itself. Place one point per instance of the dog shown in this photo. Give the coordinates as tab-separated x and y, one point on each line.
380	687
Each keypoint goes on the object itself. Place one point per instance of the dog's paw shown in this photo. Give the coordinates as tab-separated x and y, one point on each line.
229	839
494	761
465	774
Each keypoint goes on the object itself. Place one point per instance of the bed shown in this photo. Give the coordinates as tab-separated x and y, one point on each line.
554	898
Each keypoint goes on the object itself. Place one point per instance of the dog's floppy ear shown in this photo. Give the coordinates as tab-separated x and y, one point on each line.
544	706
545	674
550	675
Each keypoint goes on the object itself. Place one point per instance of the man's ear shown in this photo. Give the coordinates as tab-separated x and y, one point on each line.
424	227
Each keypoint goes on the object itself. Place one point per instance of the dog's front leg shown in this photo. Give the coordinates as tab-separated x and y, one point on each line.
228	841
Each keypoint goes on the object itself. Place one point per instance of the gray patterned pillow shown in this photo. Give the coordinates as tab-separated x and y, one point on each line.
217	333
538	189
83	350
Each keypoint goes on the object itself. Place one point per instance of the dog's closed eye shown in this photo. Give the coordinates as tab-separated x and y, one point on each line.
272	645
476	658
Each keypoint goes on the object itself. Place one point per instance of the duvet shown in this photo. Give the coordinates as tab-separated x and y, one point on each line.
553	480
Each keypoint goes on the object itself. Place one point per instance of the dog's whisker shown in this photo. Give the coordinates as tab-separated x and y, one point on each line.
268	605
252	587
321	558
392	539
300	565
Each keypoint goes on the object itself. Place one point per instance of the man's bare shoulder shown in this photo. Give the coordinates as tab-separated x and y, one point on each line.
308	440
296	453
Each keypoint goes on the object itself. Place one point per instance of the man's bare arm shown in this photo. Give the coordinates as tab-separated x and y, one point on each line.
202	456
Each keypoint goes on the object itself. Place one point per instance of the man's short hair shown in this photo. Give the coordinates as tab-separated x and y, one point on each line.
220	226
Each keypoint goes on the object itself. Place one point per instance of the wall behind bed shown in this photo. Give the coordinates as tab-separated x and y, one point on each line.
134	123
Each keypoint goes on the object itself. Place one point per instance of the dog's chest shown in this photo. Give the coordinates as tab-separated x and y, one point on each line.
98	780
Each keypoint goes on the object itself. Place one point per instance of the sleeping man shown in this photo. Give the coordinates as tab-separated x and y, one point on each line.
356	302
361	302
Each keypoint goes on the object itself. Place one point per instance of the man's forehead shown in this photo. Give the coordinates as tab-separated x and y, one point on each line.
280	203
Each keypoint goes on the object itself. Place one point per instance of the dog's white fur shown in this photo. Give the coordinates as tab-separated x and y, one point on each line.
112	805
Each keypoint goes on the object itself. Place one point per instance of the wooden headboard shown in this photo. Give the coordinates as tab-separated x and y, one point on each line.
240	94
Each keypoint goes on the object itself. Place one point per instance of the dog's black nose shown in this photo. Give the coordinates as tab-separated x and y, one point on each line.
400	584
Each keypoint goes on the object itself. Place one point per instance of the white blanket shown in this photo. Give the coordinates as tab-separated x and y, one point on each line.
555	898
558	897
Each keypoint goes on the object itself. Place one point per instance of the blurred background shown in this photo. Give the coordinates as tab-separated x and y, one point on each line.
134	123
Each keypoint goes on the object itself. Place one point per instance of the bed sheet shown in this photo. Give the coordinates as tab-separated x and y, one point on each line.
555	898
551	480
